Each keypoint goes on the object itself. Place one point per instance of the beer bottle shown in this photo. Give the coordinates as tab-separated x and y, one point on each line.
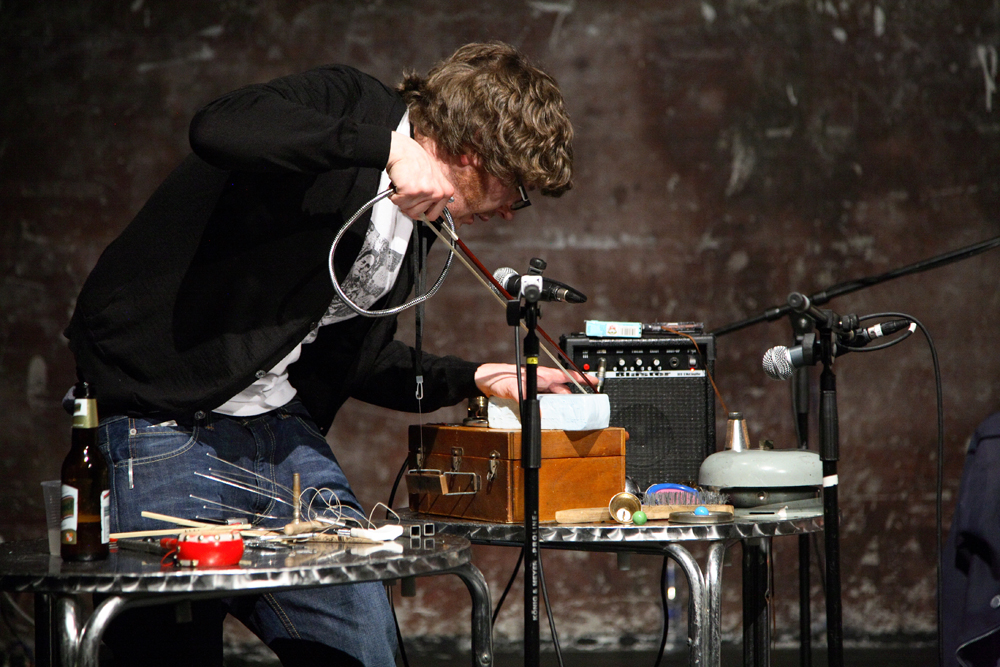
86	497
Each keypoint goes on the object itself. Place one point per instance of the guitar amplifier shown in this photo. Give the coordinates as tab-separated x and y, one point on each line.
661	393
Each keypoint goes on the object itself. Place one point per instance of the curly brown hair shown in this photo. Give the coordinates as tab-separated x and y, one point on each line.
488	99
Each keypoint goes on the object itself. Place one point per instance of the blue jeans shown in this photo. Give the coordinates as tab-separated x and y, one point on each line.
159	467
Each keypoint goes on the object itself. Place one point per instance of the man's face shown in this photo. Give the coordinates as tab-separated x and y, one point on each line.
479	195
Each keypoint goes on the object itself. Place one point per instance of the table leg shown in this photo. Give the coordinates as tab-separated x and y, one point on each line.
756	598
66	617
696	603
705	605
482	612
44	646
713	594
93	630
78	647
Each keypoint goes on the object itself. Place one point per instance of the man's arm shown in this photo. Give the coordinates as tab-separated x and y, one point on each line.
447	380
310	123
305	123
501	380
391	382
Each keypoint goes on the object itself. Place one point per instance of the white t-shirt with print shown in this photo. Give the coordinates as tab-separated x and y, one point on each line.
372	276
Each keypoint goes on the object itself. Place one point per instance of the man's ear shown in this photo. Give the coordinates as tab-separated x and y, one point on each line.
470	159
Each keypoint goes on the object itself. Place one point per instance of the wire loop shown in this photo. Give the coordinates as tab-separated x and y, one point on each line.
397	309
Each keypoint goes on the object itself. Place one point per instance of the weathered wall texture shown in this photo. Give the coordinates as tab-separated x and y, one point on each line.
728	152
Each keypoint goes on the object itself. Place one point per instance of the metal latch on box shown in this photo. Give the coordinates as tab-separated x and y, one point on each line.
428	480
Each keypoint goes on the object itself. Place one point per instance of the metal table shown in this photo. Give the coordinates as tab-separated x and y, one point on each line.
660	538
133	578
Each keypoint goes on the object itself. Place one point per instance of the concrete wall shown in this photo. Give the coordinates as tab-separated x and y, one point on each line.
727	153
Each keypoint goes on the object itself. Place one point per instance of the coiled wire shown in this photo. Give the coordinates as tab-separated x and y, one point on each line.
397	309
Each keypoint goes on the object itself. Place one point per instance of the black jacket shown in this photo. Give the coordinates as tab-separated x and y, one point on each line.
225	269
970	602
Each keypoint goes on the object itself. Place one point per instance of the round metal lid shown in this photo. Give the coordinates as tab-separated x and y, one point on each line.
694	519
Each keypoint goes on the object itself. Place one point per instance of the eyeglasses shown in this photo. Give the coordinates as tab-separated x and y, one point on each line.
524	202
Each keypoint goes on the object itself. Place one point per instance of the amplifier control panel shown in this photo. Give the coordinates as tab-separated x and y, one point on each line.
642	358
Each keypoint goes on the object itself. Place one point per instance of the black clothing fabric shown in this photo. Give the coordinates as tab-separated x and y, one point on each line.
225	269
971	563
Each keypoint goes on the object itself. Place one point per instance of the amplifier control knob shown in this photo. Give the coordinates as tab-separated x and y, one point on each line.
638	362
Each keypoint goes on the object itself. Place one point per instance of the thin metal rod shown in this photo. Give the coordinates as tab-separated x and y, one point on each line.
242	487
230	507
258	479
251	473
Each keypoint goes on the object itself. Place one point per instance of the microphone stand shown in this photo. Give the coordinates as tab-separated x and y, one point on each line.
531	461
829	453
829	431
829	326
531	420
802	327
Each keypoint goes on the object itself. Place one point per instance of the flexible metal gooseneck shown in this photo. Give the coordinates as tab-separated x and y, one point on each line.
398	309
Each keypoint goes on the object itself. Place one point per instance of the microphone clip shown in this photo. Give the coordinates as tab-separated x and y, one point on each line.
530	290
825	319
811	350
529	287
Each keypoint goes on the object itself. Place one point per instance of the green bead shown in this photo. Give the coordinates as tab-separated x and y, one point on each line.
639	518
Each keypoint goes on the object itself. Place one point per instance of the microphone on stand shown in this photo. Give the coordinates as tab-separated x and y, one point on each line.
552	290
779	362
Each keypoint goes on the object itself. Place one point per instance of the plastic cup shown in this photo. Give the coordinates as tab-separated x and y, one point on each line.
52	489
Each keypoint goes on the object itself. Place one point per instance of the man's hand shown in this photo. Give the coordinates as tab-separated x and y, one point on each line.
421	185
500	380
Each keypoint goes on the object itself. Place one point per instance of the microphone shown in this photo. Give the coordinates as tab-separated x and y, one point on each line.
552	290
779	362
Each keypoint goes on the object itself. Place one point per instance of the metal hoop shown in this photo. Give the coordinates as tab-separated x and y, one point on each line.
397	309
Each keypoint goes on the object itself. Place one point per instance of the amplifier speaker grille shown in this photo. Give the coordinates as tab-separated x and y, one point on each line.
660	393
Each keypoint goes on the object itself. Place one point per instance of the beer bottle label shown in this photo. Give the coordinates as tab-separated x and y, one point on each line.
106	517
69	509
85	413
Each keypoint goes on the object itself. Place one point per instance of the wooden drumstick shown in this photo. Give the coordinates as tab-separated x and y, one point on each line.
296	498
653	512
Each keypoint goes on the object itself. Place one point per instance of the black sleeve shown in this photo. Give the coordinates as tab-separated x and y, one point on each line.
390	384
306	123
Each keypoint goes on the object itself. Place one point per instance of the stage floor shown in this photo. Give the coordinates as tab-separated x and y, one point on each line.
922	656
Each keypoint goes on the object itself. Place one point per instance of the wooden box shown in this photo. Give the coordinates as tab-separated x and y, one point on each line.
475	472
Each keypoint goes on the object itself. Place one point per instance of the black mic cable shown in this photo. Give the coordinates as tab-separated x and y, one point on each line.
779	362
939	476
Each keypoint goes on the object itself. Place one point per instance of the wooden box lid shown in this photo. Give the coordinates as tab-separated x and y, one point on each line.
481	441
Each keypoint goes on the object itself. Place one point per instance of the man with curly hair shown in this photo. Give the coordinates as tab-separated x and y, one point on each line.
211	329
